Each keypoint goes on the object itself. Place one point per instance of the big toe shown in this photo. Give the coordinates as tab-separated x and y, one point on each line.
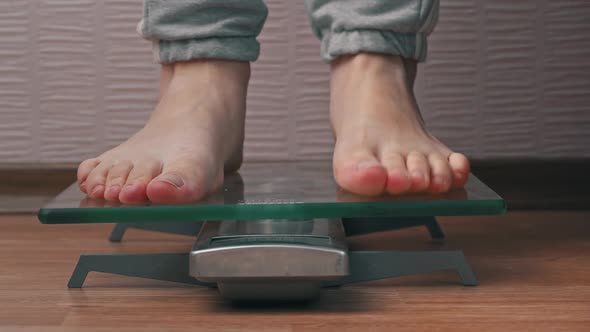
362	174
183	182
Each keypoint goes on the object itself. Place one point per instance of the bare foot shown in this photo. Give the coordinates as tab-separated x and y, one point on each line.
195	133
382	145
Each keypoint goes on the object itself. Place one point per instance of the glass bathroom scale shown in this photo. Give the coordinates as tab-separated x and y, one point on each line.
276	231
277	190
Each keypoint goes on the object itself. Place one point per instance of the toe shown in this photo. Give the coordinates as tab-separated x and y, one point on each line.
419	170
460	169
361	173
183	182
84	170
134	190
95	183
440	173
116	177
398	180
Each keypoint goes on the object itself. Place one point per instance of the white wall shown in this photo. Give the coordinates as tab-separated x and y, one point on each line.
505	78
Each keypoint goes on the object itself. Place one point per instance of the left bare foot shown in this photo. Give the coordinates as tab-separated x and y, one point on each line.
382	145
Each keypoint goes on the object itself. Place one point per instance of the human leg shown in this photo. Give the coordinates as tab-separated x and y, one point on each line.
382	144
196	131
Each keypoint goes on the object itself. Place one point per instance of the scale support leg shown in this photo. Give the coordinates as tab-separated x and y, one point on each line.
376	265
181	228
166	267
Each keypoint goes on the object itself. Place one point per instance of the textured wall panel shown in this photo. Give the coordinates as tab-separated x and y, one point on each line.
312	136
16	114
67	79
267	118
503	79
449	80
565	78
129	75
508	80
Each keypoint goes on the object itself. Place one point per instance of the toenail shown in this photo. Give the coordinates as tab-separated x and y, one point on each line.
173	179
97	188
402	173
128	187
418	175
366	164
114	188
439	179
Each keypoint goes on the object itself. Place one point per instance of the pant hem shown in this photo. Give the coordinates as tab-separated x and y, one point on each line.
226	48
407	45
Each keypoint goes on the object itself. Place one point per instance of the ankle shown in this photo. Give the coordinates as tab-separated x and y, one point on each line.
237	71
369	61
370	83
356	69
220	83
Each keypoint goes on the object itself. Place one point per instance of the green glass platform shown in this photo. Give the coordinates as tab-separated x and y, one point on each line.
280	190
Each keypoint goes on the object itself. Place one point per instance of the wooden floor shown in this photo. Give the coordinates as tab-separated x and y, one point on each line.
533	268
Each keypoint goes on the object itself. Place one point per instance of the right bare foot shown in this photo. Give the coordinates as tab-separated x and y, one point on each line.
195	133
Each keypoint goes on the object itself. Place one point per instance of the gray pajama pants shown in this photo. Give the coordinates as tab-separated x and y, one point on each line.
227	29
